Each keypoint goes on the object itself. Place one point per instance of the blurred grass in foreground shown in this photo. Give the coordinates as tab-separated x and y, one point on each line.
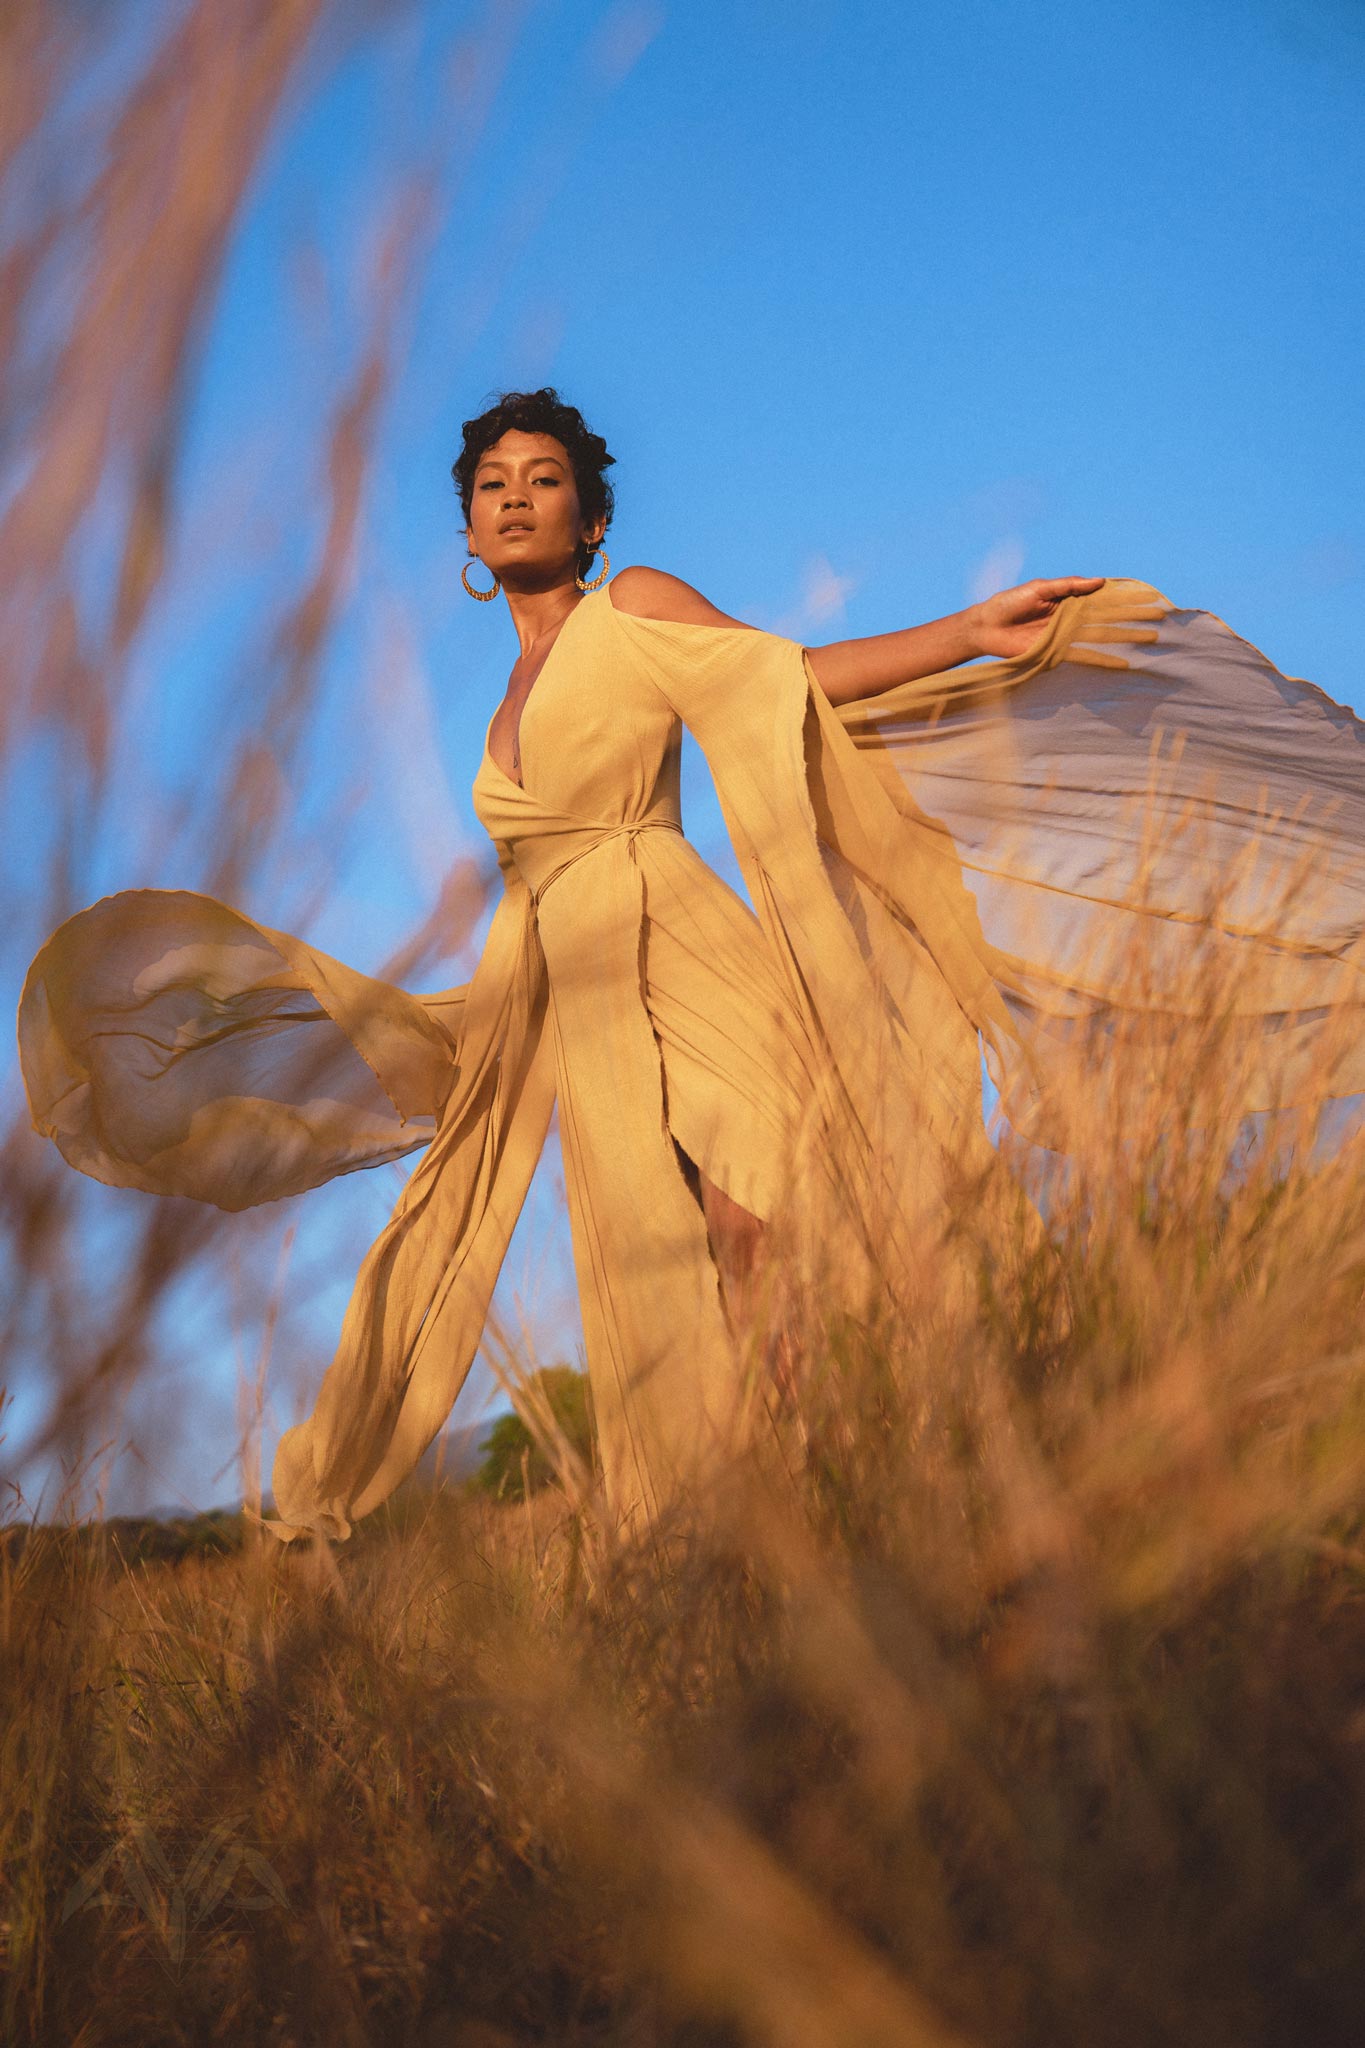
1008	1688
133	140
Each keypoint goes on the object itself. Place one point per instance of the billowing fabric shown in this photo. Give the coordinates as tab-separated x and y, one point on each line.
971	853
1147	793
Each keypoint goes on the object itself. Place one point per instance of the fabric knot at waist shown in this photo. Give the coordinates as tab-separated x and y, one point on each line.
590	838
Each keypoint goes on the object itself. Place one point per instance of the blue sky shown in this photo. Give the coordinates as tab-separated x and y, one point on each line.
878	306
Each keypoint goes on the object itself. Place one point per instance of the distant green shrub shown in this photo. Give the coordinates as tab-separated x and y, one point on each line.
513	1463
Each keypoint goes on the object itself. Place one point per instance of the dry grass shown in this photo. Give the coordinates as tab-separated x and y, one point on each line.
129	141
1018	1699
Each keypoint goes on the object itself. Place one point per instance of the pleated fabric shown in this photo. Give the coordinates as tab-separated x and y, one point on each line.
971	858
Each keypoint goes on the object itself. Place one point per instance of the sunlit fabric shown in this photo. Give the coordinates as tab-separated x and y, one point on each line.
170	1044
977	852
1147	814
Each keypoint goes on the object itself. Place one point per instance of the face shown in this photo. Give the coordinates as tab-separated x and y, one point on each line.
525	521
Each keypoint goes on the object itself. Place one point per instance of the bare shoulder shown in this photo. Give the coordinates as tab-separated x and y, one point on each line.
654	594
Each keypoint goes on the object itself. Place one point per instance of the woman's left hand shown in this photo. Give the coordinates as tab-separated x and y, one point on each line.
1011	623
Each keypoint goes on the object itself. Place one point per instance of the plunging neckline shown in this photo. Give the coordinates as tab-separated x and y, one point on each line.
540	677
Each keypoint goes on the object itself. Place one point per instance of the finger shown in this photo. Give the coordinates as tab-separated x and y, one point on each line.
1071	586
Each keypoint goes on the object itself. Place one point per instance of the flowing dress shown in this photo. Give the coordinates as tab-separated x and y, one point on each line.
957	863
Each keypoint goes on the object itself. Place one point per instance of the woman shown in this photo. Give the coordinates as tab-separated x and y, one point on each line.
920	872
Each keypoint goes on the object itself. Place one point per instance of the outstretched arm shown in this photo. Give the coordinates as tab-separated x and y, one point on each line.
1001	627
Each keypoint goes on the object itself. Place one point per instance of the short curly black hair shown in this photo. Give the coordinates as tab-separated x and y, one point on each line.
541	412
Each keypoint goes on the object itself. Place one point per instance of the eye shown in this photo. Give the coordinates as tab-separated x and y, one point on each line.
491	485
545	479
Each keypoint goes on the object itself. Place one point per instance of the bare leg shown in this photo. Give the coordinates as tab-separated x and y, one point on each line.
737	1237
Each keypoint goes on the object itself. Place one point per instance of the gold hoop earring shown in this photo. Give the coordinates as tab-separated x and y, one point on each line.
600	578
484	596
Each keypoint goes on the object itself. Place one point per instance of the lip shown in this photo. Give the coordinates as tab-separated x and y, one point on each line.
516	526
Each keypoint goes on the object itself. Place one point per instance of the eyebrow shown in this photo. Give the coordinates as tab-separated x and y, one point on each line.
533	462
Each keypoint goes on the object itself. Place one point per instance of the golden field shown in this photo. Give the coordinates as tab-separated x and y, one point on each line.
1007	1689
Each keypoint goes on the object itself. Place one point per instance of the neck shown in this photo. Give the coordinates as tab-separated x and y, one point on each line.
537	612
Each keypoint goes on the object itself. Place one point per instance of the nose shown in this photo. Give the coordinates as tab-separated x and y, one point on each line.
512	497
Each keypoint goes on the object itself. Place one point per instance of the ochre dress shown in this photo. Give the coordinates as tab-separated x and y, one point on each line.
971	853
